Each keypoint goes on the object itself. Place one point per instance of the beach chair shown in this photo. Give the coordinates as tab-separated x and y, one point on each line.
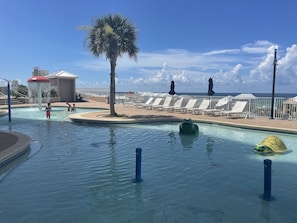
142	105
189	106
176	105
166	103
203	106
156	102
220	106
237	109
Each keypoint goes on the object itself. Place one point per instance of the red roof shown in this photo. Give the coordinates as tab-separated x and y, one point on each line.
38	79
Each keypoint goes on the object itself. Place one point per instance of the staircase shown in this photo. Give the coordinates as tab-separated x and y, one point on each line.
13	101
21	99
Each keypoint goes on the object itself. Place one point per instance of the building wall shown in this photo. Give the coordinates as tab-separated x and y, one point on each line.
66	89
38	72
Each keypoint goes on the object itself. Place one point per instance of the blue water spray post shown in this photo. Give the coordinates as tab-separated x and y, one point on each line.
138	178
267	181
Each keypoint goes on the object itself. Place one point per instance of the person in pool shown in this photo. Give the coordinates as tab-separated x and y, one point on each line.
73	108
48	110
69	106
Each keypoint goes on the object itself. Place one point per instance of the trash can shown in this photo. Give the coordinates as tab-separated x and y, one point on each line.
107	100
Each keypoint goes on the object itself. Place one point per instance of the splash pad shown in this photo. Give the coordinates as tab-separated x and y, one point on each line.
38	85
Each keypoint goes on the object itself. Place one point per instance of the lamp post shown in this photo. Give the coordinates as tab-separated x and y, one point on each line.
273	85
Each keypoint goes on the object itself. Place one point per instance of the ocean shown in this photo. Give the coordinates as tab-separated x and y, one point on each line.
279	95
104	92
259	95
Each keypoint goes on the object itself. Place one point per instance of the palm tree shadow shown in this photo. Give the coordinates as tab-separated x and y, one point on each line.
113	159
209	147
209	150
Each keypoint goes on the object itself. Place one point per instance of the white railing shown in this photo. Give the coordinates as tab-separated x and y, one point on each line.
19	94
93	91
259	107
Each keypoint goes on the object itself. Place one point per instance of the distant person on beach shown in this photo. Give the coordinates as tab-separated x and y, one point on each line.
73	108
48	110
69	106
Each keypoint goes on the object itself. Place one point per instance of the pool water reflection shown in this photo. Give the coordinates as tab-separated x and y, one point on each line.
83	173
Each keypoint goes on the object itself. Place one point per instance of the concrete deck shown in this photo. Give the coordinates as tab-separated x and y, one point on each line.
13	143
140	115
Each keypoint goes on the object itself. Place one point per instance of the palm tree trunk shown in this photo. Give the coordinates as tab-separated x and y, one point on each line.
112	88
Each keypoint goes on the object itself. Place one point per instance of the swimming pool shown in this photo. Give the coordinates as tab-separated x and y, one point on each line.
57	113
83	173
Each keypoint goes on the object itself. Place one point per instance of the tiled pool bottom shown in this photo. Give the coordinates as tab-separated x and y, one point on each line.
84	174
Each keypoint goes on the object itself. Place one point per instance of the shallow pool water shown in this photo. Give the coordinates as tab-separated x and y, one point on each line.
57	113
84	173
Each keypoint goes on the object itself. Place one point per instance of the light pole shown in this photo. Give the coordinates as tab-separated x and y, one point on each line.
273	85
8	99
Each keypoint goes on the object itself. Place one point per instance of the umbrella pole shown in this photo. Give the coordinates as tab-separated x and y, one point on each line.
248	116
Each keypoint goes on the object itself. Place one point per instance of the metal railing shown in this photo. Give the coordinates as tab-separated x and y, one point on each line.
284	108
260	107
19	94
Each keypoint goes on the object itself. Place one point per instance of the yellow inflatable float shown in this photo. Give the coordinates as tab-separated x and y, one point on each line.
271	144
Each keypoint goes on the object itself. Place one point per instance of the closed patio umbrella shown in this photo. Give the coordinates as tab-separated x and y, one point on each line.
210	87
172	91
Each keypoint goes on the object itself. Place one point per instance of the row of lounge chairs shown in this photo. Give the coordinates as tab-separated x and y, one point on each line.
190	107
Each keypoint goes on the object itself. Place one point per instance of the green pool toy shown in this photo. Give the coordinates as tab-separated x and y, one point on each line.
188	127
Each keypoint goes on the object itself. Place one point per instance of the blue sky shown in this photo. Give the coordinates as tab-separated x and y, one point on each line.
186	41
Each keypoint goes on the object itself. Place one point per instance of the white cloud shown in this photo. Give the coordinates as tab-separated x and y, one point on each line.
248	69
264	69
287	66
222	52
259	46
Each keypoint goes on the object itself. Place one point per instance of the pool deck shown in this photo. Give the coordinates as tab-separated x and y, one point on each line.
13	143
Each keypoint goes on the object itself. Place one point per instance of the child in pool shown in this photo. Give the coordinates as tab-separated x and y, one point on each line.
48	110
73	108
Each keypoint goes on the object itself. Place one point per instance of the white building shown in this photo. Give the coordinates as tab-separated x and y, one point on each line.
64	84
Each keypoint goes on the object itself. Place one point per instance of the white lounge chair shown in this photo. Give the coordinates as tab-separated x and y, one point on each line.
147	103
189	106
156	102
237	109
203	106
166	103
176	105
220	106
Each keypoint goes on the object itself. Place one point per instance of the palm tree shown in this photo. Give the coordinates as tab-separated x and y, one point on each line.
112	36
